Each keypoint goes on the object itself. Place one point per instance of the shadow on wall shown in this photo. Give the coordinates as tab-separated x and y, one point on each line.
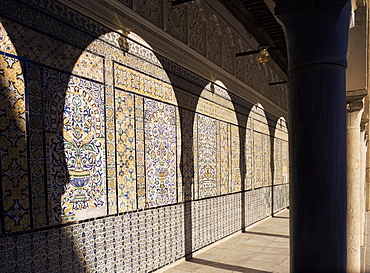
35	71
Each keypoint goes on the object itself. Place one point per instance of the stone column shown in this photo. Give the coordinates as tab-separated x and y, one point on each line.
354	114
317	37
363	143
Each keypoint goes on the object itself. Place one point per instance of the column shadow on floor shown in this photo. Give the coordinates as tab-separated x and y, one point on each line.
233	268
267	234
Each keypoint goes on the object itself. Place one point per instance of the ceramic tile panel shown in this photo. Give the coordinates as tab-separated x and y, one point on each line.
178	159
161	159
111	135
6	44
36	142
266	146
235	159
258	159
278	179
13	146
249	162
139	83
189	157
140	152
206	156
89	66
225	159
125	150
76	187
215	218
281	197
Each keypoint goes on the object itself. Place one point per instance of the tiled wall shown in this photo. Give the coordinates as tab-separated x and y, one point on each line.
114	158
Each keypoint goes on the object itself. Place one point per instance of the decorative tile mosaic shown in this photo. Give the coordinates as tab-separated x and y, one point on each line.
281	197
161	159
235	159
83	152
139	83
225	159
13	145
249	175
266	160
206	156
126	152
109	104
258	159
189	157
36	142
140	152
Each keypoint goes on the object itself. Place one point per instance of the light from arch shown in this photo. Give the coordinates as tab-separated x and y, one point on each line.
121	100
257	149
216	143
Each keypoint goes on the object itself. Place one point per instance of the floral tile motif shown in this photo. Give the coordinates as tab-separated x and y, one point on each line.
81	147
207	156
161	159
125	149
13	147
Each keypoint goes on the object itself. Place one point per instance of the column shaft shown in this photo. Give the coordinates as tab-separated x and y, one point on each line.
354	222
317	37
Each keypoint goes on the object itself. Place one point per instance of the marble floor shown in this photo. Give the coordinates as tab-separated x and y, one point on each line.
264	247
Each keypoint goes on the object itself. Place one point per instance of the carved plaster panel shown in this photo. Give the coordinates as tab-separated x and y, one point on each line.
197	28
228	53
151	10
214	38
175	20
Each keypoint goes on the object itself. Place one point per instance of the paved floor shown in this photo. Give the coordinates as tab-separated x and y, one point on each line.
264	247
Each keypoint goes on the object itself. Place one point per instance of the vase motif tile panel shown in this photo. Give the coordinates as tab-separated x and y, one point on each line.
207	148
81	147
13	146
125	148
161	158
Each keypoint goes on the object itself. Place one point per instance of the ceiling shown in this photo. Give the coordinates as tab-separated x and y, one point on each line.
259	21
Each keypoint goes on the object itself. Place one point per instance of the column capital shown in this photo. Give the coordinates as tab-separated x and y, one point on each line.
355	106
324	39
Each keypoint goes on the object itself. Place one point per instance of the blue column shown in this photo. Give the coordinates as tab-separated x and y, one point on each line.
317	36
